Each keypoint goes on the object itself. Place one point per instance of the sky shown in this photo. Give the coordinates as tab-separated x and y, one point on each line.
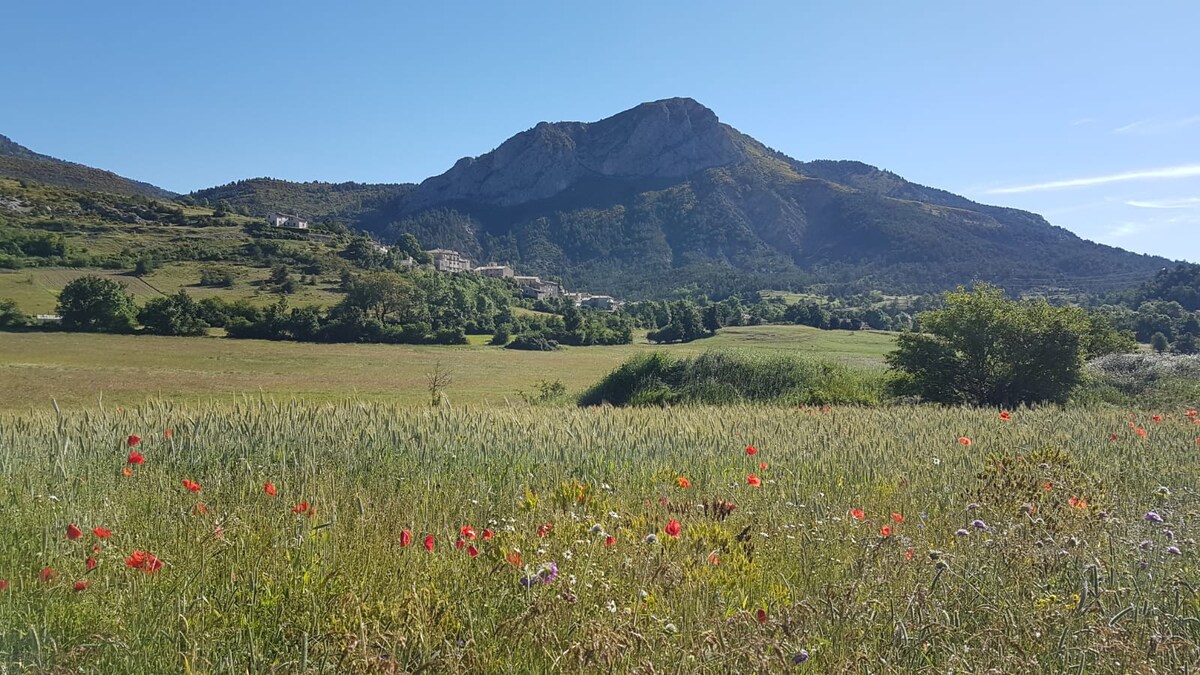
1087	112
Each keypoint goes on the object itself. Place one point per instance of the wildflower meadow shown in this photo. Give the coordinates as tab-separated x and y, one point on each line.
363	537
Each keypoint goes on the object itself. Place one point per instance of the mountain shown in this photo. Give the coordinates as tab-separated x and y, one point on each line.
665	197
21	163
346	202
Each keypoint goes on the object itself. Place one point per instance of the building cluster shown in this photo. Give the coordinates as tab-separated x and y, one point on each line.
446	260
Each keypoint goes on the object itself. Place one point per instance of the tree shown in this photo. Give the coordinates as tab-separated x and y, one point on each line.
1184	344
711	318
385	297
1158	342
95	304
984	349
11	315
176	314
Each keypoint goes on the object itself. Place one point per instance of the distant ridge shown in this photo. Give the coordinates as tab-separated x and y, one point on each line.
21	163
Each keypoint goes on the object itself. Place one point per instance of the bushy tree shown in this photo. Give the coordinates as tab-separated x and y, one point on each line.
176	314
1158	342
984	349
11	315
95	304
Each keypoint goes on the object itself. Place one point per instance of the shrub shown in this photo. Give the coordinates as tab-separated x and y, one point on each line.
533	343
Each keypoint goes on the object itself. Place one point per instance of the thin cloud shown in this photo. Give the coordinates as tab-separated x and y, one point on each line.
1126	230
1185	171
1185	203
1156	125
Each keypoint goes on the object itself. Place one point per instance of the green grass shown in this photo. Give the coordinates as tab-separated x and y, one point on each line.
1052	585
77	369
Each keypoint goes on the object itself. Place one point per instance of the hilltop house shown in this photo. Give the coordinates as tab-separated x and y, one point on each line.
495	271
606	303
446	260
538	289
287	221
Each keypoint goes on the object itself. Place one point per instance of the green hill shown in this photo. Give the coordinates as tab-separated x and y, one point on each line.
21	163
342	202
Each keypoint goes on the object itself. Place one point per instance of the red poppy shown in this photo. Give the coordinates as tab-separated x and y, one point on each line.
683	482
200	509
544	530
82	585
218	532
1048	486
269	488
459	543
3	585
47	574
169	434
713	559
303	507
763	465
127	472
885	531
1112	437
1157	418
133	440
857	514
136	457
137	560
468	532
101	532
908	554
673	528
145	561
610	541
964	440
405	537
91	563
751	450
153	564
472	551
191	485
1192	413
73	532
1005	416
897	517
514	558
761	616
429	542
488	534
1141	432
753	480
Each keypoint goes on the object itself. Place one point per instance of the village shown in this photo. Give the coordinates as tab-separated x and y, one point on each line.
452	262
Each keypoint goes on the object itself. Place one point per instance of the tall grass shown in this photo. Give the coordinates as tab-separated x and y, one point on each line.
729	377
1052	584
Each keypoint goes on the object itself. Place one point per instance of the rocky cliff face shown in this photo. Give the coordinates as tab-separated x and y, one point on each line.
672	138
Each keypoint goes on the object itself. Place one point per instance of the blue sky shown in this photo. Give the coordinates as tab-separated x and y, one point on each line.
1087	112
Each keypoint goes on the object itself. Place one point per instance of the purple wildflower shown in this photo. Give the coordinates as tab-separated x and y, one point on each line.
960	532
800	657
1153	517
979	524
1174	550
548	573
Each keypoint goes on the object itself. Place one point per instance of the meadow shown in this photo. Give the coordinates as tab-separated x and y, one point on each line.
80	370
372	537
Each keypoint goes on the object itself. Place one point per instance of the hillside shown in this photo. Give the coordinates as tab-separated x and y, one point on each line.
665	197
344	202
21	163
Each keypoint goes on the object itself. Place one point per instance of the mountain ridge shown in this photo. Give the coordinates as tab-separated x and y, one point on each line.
20	163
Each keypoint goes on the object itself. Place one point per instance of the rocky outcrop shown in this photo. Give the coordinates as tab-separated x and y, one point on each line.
672	138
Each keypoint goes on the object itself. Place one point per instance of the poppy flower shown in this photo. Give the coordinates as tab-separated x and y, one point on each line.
514	558
885	531
908	554
761	615
1112	437
191	485
82	585
1141	432
753	480
459	543
1157	418
200	509
153	564
610	541
472	551
1192	413
101	532
544	530
269	488
3	585
136	560
133	440
673	528
683	482
857	514
964	440
145	561
218	532
47	574
136	457
468	532
429	542
1077	503
897	517
1048	486
751	450
1005	416
127	472
405	537
303	507
713	559
91	563
169	434
73	532
488	534
762	465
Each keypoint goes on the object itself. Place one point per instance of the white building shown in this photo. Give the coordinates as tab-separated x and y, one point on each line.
495	271
446	260
287	221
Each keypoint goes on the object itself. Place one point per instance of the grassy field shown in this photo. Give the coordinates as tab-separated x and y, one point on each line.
78	369
860	540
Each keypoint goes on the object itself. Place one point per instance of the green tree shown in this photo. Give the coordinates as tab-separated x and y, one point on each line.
984	349
386	297
1158	342
11	315
1184	344
176	314
95	304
